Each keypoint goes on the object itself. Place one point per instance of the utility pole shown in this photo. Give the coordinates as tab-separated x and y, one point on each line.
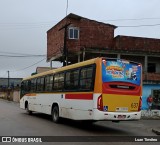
8	90
8	78
65	50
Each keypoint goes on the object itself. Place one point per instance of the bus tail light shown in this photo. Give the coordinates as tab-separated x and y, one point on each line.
140	104
100	103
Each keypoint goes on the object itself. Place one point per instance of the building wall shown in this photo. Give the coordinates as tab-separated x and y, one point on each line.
11	95
92	34
147	90
133	57
96	35
16	96
55	40
12	81
137	44
42	69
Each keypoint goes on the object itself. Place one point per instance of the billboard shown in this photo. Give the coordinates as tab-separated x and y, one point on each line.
121	71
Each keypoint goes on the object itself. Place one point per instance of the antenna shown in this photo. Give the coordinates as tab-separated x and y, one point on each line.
67	8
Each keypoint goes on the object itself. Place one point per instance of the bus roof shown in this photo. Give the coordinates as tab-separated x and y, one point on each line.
52	71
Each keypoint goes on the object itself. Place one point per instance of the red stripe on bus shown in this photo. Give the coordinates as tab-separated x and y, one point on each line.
79	96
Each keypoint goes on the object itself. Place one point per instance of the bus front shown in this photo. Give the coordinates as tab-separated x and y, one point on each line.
121	90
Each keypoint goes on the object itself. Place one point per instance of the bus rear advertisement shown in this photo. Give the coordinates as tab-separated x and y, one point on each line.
93	90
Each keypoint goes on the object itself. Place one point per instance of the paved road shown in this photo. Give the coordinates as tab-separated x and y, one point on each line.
16	122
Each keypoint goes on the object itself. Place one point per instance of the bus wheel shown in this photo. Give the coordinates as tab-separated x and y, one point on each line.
28	111
55	114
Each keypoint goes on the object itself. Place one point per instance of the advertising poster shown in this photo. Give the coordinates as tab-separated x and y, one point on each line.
121	71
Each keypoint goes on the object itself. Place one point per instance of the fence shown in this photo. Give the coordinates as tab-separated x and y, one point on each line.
11	95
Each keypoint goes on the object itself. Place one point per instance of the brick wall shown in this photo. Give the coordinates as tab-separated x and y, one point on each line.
137	44
55	40
96	35
92	34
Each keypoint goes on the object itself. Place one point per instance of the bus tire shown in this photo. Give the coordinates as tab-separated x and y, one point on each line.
27	109
55	114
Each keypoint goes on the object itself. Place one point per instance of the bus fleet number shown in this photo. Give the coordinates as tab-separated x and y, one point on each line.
134	105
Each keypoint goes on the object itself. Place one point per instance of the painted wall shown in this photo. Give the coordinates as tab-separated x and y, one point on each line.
146	92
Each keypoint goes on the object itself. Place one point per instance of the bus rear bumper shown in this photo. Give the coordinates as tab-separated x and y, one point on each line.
116	116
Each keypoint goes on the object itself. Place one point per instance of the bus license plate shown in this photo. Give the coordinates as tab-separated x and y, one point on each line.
122	109
121	116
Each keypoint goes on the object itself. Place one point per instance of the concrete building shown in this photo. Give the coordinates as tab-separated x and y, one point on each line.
82	34
42	69
85	39
13	82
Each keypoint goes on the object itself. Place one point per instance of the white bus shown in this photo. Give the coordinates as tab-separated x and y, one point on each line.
97	89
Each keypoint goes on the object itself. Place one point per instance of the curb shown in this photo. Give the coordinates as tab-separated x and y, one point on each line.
156	131
151	118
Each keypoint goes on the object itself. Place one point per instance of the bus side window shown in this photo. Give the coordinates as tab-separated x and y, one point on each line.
33	85
38	84
48	83
22	89
58	84
25	87
29	86
72	78
42	85
86	78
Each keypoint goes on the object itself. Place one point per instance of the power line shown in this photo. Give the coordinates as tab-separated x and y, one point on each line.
22	56
6	52
150	25
145	25
50	22
13	54
67	8
133	19
31	65
44	24
27	24
23	26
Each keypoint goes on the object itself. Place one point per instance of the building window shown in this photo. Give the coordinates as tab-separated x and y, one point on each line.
156	99
73	33
151	67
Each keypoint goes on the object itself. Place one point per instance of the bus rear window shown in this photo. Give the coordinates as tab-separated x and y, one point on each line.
116	70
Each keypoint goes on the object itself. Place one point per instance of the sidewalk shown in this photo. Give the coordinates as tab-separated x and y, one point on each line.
151	115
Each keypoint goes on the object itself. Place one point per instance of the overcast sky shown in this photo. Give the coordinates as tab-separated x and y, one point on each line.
24	23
